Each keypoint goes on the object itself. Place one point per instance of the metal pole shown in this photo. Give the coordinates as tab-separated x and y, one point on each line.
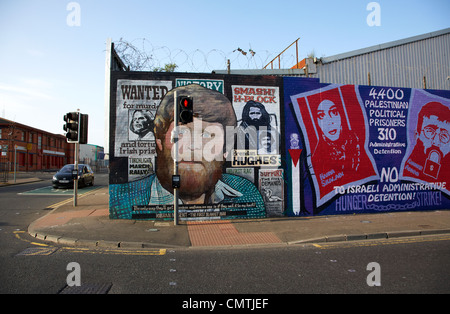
75	180
278	56
15	162
175	161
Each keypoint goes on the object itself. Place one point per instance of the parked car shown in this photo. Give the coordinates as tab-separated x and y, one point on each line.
64	178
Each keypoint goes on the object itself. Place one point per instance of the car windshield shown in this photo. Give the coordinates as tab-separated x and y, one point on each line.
69	168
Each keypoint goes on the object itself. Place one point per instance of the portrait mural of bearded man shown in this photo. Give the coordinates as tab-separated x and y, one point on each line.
202	152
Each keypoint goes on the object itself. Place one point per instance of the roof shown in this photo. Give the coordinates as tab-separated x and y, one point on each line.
387	45
18	125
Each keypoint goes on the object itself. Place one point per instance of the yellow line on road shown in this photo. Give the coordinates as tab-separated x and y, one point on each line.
60	203
116	252
17	235
378	242
71	199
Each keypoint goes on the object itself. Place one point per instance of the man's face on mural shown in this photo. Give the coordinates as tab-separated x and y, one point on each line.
266	141
200	156
435	134
329	120
255	114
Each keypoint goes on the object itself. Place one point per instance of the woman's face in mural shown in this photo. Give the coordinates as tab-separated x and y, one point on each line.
329	120
139	122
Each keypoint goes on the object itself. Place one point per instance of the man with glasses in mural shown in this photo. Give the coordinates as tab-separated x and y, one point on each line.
429	160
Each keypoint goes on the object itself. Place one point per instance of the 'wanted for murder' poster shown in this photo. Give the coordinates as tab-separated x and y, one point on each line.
136	105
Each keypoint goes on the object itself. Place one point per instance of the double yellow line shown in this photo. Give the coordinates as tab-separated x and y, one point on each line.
60	204
115	251
148	252
70	199
17	234
377	242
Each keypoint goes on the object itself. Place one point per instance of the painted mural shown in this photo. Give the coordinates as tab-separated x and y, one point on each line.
367	149
228	157
271	147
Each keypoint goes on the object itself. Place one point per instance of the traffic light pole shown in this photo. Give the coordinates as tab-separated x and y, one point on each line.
76	129
175	161
75	166
75	180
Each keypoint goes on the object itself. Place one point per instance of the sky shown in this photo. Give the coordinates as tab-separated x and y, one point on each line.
52	56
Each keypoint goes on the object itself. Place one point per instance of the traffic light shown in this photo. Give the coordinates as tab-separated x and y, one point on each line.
76	127
72	126
186	109
83	138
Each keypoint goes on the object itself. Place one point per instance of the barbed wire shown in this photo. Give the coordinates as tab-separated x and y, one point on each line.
141	55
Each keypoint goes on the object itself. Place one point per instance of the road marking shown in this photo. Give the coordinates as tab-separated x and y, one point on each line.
34	251
38	244
116	252
71	199
49	190
17	235
87	288
378	242
43	246
60	203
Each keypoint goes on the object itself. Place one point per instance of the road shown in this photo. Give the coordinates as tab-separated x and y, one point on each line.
407	265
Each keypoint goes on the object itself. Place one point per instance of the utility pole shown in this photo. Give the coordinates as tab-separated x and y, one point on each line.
75	176
175	161
183	112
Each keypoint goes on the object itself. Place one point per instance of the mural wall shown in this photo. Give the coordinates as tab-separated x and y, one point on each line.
366	149
263	146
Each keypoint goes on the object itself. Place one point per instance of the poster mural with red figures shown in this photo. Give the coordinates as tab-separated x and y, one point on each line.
334	127
367	149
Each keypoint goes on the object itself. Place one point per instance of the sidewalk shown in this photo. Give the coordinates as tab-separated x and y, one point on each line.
19	181
88	225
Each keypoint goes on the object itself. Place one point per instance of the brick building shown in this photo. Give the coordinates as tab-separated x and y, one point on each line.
33	149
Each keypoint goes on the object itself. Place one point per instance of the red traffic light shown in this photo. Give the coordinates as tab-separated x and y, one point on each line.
186	102
186	109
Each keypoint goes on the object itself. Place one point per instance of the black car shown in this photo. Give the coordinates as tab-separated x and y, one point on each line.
64	178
